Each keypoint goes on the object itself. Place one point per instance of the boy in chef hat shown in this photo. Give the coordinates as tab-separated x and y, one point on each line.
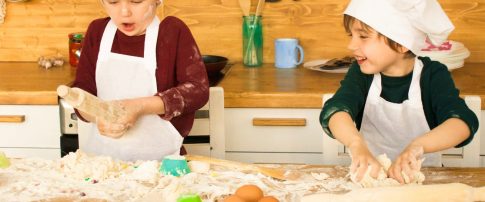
153	69
402	105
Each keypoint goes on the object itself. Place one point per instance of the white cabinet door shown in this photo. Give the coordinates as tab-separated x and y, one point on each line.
32	153
38	128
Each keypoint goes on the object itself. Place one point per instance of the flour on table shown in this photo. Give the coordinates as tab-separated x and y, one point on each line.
382	178
320	176
147	171
80	176
199	166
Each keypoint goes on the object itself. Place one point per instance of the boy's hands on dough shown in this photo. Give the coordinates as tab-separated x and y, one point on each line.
407	163
362	158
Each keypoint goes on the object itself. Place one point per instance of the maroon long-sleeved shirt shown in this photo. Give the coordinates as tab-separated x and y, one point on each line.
182	81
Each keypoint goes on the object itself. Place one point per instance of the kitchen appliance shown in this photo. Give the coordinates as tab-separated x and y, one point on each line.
68	118
69	140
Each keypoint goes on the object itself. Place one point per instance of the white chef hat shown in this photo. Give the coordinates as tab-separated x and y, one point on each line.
407	22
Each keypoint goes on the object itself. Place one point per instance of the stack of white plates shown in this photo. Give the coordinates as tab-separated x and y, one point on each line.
453	58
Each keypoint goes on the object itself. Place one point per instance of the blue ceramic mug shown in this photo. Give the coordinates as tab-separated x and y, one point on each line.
286	53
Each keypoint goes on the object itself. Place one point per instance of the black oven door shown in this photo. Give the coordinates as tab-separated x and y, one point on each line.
69	143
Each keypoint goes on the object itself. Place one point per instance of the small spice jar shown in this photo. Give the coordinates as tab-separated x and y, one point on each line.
75	45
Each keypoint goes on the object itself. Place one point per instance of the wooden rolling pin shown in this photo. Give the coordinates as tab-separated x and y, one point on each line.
90	104
455	192
277	173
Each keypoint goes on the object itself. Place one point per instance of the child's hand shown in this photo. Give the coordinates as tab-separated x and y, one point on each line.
406	163
362	159
113	130
133	110
116	129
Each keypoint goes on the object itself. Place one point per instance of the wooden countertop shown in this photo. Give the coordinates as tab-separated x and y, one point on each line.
470	176
270	87
28	84
264	87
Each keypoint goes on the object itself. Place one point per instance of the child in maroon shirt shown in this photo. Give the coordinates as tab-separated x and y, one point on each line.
166	77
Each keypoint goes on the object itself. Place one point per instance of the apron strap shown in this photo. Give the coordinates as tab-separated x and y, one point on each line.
150	53
107	40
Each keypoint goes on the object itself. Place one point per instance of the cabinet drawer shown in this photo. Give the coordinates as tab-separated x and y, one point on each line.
39	127
273	130
32	153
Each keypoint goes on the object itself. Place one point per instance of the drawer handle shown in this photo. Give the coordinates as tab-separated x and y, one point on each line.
279	122
12	118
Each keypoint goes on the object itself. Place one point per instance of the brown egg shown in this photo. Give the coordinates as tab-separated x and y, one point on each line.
233	198
249	193
268	199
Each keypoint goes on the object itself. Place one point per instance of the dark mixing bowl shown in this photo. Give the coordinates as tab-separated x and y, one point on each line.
214	64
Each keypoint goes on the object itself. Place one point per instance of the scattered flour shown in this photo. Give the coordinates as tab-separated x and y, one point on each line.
80	176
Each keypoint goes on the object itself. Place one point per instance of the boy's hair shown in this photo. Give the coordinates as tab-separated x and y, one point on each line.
349	20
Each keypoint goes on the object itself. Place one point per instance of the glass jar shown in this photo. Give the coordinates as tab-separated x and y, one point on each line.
75	45
252	29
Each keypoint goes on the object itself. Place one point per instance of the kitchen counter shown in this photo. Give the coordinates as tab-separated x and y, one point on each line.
263	87
270	87
470	176
25	83
75	179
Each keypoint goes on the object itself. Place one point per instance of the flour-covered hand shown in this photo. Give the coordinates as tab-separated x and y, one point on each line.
132	108
110	129
362	158
407	163
122	122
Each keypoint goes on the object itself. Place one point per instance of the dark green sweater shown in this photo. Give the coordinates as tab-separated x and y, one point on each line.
439	95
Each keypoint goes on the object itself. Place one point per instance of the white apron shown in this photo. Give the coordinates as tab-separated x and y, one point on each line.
389	127
121	77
